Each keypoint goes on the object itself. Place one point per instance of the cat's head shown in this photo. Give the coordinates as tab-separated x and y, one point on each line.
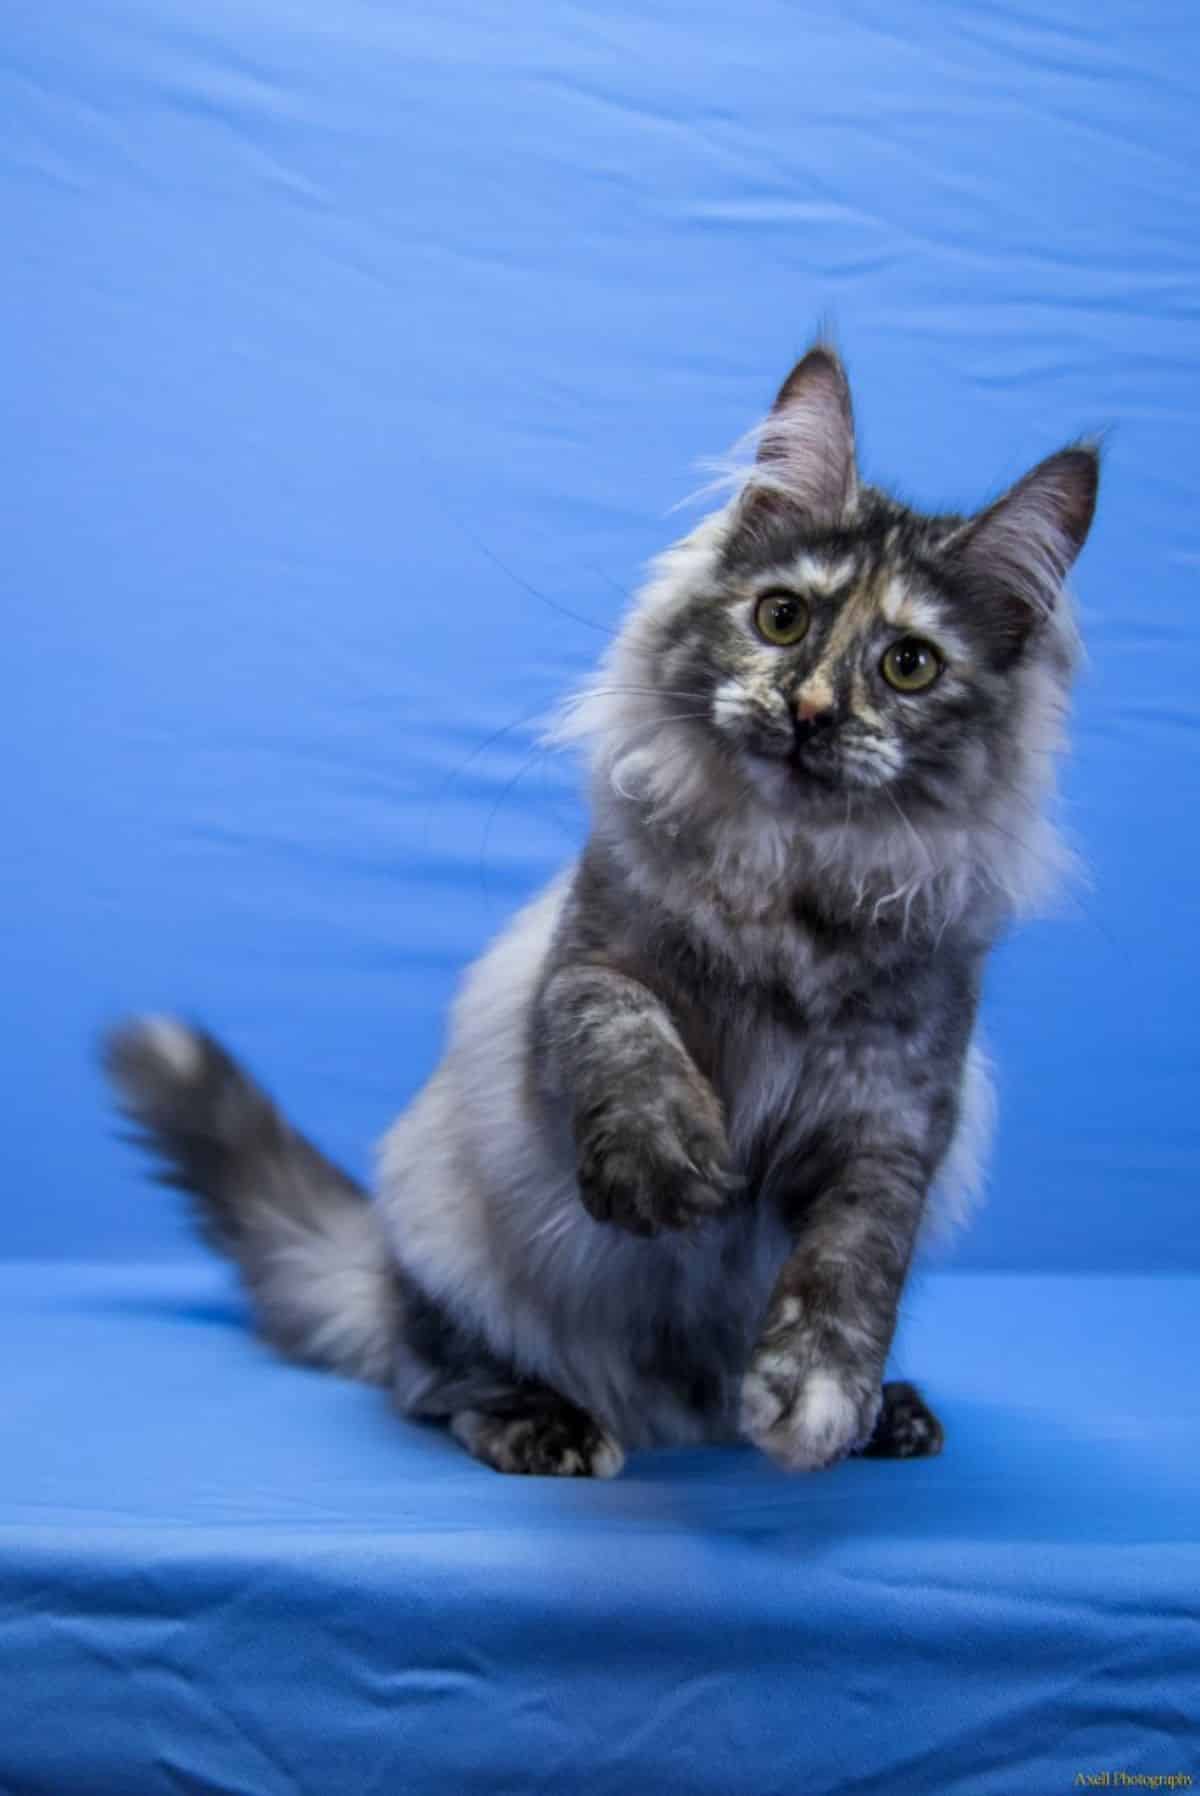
828	653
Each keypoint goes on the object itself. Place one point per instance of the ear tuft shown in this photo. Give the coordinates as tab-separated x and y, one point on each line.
806	446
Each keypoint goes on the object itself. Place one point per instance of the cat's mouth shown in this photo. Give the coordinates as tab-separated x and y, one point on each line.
795	773
814	771
807	769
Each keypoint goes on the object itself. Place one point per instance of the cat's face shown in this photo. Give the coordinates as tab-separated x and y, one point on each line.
840	647
845	663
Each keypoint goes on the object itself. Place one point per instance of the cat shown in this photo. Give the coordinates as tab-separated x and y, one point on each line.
666	1184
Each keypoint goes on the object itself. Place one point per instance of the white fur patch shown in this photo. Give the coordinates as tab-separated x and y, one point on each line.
607	1459
811	574
173	1043
827	1415
761	1407
820	1424
909	610
730	703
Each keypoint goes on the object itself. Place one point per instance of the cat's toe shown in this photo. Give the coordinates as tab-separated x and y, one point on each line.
805	1416
561	1444
645	1177
612	1185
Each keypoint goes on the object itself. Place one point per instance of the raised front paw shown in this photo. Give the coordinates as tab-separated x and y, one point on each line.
805	1411
657	1160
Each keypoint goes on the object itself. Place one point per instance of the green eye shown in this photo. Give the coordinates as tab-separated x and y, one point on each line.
781	618
911	665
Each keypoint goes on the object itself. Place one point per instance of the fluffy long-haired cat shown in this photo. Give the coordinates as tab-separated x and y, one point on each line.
666	1182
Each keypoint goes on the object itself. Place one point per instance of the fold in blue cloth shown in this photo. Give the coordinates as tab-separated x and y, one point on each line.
222	1573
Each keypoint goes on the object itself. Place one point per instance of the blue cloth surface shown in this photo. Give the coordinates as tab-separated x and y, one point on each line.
219	1573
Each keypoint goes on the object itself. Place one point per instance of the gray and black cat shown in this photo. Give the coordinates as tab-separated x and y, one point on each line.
666	1183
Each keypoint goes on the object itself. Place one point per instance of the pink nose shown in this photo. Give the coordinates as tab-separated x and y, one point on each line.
808	710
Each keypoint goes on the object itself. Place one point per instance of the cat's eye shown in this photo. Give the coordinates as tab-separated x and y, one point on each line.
911	665
781	618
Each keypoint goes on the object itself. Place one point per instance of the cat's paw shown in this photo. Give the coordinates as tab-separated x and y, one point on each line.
806	1413
907	1428
656	1161
560	1442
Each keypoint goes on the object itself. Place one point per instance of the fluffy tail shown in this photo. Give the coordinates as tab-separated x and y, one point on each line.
306	1240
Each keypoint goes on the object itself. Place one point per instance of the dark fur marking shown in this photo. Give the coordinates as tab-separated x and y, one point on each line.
907	1428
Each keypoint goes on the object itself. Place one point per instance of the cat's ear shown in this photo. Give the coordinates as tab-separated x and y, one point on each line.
1012	558
805	457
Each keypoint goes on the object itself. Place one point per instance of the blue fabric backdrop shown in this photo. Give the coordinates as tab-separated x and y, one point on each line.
352	347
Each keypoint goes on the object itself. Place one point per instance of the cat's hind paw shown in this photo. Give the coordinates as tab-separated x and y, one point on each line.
907	1428
556	1442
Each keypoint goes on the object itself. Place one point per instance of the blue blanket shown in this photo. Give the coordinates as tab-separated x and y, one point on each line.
221	1573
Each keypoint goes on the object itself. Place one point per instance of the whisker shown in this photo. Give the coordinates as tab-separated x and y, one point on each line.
581	698
509	786
670	717
545	713
489	554
663	760
615	585
912	829
538	753
461	767
1056	869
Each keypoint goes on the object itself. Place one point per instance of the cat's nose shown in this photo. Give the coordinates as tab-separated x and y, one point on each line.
810	717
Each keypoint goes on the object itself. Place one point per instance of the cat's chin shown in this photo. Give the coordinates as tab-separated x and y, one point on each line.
787	782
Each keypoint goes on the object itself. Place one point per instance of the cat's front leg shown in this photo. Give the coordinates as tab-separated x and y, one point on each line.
813	1388
650	1142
